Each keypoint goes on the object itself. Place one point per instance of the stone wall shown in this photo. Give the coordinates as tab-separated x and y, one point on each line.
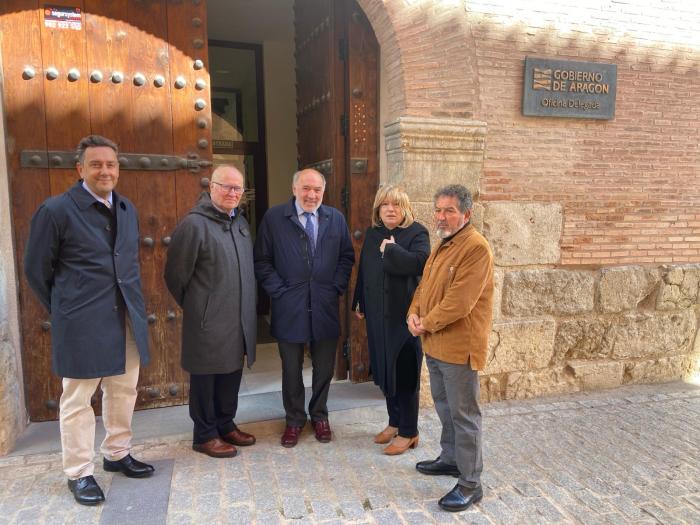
556	328
561	330
12	413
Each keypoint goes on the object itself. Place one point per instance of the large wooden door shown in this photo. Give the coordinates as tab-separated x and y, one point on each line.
137	73
337	124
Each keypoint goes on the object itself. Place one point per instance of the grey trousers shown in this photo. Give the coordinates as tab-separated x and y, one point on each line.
323	363
455	391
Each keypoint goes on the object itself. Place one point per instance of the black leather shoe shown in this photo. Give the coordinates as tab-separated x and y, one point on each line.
86	491
130	467
460	498
437	467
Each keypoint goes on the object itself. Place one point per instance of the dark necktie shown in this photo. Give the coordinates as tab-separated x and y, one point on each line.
309	228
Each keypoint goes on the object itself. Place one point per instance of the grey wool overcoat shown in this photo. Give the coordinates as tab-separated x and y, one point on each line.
210	274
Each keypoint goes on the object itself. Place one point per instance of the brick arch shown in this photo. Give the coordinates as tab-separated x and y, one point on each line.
382	16
429	58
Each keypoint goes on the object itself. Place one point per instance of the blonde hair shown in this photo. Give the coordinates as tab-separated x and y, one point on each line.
396	196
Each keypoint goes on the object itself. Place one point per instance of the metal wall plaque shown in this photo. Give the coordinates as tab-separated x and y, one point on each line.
564	88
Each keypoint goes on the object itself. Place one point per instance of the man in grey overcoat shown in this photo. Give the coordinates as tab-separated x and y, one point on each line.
82	261
209	272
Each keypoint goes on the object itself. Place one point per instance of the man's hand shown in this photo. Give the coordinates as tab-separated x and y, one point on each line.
390	240
359	315
415	325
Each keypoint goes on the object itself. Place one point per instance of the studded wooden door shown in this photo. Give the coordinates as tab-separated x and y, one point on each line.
337	124
136	72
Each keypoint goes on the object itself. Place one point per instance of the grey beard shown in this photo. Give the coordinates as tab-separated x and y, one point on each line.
443	234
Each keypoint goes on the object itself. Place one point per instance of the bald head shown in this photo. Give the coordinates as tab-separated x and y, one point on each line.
226	188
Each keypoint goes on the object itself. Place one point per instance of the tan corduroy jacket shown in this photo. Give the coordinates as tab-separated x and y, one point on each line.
455	299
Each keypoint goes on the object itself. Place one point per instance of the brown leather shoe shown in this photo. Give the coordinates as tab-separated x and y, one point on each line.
215	448
239	438
400	445
322	430
386	435
291	436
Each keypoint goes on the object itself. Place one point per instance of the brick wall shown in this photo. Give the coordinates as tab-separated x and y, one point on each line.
629	187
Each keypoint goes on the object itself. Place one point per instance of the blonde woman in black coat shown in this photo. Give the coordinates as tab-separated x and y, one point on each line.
391	263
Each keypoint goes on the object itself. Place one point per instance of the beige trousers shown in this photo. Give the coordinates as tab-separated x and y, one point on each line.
77	418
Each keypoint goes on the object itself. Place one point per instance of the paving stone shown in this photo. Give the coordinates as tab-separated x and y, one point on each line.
238	490
385	516
237	515
496	510
324	510
377	501
294	507
268	518
416	518
352	510
628	507
661	515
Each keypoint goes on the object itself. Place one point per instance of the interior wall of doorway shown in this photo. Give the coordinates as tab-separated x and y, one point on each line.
269	23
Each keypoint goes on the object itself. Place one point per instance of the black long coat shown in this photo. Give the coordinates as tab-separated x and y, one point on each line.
209	272
86	276
295	282
383	292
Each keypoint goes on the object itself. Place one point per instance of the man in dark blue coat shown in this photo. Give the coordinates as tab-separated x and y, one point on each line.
82	261
303	259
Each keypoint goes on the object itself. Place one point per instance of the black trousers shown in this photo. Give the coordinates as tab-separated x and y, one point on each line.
213	404
323	362
403	407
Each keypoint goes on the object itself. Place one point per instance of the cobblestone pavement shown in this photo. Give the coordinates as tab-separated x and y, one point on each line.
629	455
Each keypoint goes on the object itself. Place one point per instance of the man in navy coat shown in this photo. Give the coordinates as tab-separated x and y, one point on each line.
303	259
82	261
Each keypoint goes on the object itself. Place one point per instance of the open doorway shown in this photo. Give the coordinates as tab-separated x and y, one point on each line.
295	84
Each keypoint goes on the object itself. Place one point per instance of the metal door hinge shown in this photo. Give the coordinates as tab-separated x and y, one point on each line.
358	165
324	166
127	161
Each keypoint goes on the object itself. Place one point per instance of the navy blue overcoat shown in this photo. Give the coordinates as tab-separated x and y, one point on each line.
86	277
296	282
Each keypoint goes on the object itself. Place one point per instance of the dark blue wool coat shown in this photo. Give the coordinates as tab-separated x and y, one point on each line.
86	277
295	282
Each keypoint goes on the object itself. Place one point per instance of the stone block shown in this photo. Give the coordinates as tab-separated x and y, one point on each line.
623	288
650	335
523	385
680	287
522	233
657	370
528	293
426	153
580	338
520	345
595	375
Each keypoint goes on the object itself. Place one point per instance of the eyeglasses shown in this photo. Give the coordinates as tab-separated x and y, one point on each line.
227	188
